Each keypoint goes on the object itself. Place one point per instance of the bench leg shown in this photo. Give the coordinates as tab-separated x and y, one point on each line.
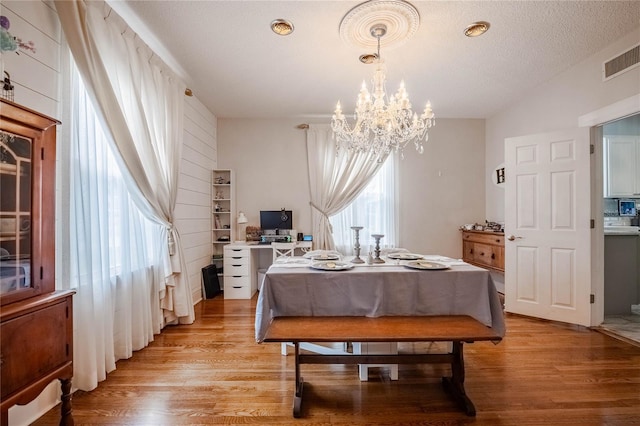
297	396
455	384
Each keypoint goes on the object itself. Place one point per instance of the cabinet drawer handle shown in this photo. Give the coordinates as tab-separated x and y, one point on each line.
237	286
482	254
493	255
236	276
471	251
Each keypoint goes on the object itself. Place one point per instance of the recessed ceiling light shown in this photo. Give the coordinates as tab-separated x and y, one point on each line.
368	58
282	27
477	29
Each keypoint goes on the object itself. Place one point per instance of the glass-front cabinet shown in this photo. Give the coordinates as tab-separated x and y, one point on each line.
36	320
27	204
15	213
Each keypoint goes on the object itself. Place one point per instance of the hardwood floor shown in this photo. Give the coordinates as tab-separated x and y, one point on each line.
213	372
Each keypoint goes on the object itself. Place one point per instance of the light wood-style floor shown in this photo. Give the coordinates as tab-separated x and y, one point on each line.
213	372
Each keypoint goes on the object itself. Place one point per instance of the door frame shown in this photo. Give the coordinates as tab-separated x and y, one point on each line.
595	120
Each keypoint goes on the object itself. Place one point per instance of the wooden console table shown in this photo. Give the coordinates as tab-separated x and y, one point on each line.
484	249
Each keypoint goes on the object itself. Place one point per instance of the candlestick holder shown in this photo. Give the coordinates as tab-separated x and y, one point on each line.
356	246
377	249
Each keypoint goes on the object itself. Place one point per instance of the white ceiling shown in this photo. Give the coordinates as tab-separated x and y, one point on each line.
237	67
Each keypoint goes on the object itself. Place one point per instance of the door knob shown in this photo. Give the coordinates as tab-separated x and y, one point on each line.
513	238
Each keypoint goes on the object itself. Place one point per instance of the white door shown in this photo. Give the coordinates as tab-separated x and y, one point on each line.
547	226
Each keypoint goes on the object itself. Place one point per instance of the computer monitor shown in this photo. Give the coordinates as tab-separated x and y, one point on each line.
627	207
276	219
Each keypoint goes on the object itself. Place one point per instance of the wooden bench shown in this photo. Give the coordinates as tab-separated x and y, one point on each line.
457	329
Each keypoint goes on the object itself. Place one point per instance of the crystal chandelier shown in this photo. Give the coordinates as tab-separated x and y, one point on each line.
382	124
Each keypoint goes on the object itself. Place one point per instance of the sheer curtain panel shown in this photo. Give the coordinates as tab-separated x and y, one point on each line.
114	253
336	177
374	209
139	102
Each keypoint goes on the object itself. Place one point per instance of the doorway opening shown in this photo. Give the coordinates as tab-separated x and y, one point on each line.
620	146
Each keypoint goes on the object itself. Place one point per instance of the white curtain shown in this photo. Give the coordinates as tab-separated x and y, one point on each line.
114	253
374	209
140	103
336	177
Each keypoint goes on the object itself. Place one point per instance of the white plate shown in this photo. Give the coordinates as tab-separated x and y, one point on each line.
325	257
405	256
332	266
426	264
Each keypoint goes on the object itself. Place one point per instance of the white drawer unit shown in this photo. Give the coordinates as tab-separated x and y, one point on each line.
234	266
233	269
237	288
239	282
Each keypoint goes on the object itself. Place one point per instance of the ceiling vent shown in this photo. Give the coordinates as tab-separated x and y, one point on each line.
621	63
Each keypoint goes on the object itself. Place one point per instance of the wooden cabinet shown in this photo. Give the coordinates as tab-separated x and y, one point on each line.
621	166
36	322
484	249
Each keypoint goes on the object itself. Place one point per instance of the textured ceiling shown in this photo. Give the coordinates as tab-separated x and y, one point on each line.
238	68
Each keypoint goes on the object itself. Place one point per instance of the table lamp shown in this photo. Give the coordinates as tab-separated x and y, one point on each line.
242	219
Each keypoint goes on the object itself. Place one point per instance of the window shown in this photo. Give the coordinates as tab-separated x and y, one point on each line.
374	209
107	229
107	250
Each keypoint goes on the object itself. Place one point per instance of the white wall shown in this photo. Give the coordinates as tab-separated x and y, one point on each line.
443	188
438	191
557	105
36	77
269	158
193	203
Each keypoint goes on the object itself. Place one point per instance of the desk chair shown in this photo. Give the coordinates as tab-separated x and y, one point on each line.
282	249
279	250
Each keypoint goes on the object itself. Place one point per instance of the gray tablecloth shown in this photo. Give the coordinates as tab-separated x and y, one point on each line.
375	291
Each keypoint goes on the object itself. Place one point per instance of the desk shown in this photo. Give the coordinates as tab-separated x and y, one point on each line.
241	263
378	290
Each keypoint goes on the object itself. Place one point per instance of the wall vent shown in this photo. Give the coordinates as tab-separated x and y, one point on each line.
621	63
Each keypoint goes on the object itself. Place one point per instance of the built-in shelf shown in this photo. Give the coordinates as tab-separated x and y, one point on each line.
222	209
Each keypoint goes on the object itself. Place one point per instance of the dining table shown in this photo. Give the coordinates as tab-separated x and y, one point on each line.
300	286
